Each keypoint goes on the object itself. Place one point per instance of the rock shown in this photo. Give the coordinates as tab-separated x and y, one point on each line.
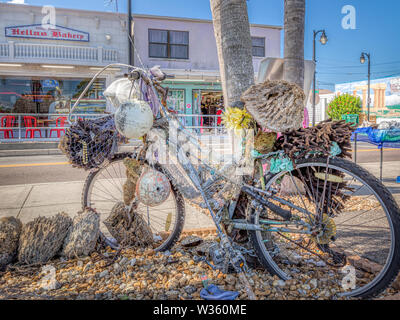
191	241
10	230
79	264
320	263
230	279
172	295
392	297
132	262
123	261
278	283
190	289
396	283
306	287
103	274
43	238
88	266
117	268
314	283
83	235
302	292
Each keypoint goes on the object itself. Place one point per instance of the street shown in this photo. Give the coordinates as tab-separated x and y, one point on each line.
54	168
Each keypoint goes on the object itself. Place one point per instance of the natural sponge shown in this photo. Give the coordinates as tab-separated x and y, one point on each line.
128	233
10	230
83	235
276	105
43	238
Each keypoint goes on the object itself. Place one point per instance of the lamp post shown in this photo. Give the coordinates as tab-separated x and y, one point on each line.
323	40
362	60
130	44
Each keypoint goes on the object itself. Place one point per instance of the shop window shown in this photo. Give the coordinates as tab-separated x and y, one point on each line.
258	46
176	100
44	95
168	44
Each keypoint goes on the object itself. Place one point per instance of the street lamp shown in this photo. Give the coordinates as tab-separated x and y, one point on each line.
323	40
362	60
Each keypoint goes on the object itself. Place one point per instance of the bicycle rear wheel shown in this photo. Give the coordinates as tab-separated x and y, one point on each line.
103	190
358	243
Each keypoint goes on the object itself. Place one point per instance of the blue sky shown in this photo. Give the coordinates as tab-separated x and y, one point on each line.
377	26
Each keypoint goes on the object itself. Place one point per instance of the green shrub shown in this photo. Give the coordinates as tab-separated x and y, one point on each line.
344	104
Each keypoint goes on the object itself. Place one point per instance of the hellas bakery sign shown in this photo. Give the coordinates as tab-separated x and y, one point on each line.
37	31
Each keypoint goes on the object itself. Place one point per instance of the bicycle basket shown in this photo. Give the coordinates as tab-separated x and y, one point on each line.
89	142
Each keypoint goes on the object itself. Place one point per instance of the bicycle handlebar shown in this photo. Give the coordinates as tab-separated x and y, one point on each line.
135	74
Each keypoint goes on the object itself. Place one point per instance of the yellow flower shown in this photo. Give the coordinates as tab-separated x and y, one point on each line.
236	119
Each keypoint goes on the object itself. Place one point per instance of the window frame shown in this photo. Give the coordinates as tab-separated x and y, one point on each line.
168	44
253	46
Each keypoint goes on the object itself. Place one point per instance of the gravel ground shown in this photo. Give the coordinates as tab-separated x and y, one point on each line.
141	273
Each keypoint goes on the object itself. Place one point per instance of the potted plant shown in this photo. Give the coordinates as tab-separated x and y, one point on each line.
345	107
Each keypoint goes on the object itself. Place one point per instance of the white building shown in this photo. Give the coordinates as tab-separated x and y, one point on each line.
44	70
323	98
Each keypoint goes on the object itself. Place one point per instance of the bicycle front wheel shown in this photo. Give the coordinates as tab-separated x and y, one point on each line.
103	190
357	242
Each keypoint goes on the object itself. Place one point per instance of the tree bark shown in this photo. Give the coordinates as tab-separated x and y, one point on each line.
232	35
293	70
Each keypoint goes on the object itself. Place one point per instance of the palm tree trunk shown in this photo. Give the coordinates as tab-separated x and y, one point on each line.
232	35
293	70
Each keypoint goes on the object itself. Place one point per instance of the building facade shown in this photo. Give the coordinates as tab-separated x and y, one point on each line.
322	99
43	68
186	49
384	94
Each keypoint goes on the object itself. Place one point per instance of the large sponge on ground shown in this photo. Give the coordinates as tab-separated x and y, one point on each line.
42	238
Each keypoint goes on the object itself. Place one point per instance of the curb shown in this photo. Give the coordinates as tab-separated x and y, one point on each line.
29	152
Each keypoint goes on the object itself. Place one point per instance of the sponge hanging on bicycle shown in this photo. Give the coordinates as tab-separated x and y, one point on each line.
276	105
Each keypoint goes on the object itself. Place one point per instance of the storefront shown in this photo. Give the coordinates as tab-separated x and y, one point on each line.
44	69
41	95
195	101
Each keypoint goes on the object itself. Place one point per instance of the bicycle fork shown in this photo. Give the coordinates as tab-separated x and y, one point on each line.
236	258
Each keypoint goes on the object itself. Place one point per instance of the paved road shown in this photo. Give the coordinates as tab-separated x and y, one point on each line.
54	168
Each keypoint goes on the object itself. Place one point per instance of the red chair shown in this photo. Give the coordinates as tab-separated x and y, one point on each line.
60	121
219	120
30	122
8	123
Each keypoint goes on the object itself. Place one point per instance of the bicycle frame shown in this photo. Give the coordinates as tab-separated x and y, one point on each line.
194	175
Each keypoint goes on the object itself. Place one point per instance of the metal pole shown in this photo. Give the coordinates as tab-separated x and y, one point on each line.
19	127
355	147
130	32
315	76
369	83
381	162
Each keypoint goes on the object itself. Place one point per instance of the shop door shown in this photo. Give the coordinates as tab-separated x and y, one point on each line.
196	105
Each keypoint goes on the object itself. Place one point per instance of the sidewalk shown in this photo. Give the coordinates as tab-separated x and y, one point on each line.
45	199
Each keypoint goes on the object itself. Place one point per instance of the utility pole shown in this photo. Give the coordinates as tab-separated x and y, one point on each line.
130	35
